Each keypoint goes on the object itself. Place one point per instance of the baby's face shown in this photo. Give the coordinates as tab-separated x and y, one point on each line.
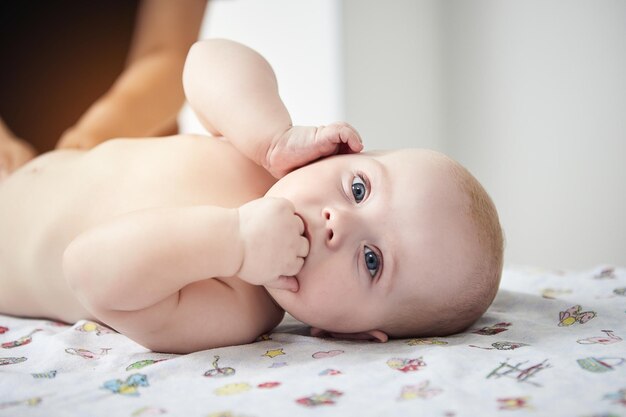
379	227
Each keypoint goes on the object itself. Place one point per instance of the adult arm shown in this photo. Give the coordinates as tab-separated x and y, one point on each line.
14	152
147	96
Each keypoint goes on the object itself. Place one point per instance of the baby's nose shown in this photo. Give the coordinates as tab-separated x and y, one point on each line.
329	227
335	225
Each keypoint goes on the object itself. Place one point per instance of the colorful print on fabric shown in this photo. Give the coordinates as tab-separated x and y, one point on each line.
148	411
406	365
268	385
128	387
28	402
574	315
620	291
272	353
226	414
93	327
514	403
502	346
45	375
328	354
617	397
330	372
12	360
519	371
328	397
278	365
426	341
606	273
217	372
494	329
143	364
609	339
600	365
421	390
24	340
554	293
88	354
232	389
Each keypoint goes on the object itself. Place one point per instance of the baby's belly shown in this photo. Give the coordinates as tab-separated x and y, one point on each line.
30	202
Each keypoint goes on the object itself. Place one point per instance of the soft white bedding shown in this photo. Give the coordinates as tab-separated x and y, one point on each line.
551	345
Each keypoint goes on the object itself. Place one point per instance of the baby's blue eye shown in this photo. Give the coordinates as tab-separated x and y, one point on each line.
358	189
371	261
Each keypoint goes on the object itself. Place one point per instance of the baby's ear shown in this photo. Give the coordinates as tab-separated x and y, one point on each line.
374	335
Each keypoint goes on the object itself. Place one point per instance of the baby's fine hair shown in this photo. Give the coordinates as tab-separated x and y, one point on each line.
467	306
487	272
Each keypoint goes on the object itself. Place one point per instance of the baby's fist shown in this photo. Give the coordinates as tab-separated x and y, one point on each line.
273	245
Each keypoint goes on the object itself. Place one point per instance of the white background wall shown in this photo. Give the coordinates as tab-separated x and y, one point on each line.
299	38
530	95
536	106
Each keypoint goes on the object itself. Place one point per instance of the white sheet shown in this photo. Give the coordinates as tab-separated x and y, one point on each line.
534	356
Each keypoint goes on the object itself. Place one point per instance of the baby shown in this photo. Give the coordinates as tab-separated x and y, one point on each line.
188	243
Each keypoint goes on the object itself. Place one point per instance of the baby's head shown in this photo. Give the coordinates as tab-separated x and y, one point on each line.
404	243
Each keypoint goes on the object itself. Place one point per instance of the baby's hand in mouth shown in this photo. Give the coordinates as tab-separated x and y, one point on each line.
273	244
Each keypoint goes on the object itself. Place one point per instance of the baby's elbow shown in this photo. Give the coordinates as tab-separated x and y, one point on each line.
197	59
73	267
78	268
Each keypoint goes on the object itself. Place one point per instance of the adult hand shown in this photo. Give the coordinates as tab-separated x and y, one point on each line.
74	138
273	246
14	153
300	145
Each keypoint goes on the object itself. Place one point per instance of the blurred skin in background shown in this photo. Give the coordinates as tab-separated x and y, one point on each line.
76	73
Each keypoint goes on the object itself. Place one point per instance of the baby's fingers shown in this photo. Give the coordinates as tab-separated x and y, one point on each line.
303	247
351	137
338	138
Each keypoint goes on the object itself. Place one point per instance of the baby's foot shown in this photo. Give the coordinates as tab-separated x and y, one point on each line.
301	145
13	154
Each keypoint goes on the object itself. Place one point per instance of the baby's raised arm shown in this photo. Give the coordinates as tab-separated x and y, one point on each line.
234	93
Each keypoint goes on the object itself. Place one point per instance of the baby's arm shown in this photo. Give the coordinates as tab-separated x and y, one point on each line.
234	93
138	271
140	258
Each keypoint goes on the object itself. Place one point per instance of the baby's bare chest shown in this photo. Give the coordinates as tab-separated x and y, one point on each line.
72	191
173	172
44	206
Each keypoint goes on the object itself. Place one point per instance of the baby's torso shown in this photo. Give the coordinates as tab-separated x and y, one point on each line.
48	202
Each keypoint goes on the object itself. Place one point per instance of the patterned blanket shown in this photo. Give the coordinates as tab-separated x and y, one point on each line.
550	345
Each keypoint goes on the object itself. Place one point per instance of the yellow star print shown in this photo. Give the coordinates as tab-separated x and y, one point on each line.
274	352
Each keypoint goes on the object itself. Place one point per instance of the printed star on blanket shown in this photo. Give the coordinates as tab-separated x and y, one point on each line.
272	353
